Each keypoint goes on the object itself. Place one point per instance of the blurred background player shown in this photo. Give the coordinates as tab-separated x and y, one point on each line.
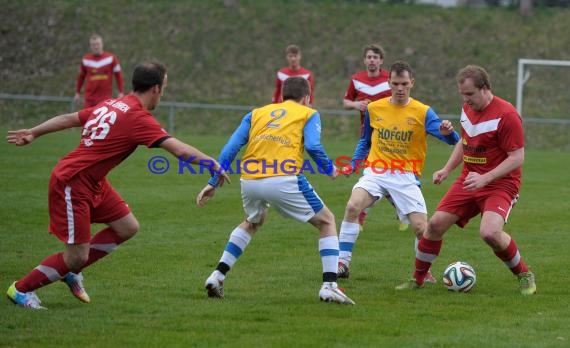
394	144
294	68
276	136
79	192
367	86
98	67
492	153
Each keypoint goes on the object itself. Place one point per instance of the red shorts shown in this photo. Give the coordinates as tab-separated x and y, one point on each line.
468	204
73	206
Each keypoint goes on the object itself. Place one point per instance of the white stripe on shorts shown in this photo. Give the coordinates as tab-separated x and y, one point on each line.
70	221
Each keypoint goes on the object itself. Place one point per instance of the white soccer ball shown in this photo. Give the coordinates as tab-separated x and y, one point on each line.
459	276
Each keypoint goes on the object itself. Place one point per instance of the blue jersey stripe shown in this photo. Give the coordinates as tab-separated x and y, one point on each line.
309	194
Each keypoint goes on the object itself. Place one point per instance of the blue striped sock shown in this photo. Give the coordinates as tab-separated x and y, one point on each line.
239	239
348	234
328	249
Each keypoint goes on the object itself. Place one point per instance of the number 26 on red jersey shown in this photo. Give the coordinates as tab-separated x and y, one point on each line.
99	127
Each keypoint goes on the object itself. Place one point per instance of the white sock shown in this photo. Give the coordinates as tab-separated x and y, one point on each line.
328	249
238	241
348	234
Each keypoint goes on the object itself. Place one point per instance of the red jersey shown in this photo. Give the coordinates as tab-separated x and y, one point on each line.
112	130
487	137
363	87
99	71
285	73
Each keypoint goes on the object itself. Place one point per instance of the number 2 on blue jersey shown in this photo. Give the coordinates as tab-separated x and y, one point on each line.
276	115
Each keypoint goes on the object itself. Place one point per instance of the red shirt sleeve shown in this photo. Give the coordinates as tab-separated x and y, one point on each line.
80	77
119	78
147	130
84	114
277	93
312	83
350	91
118	72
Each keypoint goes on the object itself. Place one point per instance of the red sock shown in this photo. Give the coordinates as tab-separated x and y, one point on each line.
52	269
102	244
512	258
429	250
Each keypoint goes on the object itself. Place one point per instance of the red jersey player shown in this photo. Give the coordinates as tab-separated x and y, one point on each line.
98	68
79	193
492	152
368	85
293	55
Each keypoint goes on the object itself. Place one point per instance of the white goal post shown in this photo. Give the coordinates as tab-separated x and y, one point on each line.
523	75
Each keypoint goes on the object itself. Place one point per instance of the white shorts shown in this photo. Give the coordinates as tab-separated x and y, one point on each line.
291	195
403	189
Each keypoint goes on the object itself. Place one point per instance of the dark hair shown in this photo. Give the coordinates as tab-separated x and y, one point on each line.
374	48
296	88
476	73
399	66
294	49
147	74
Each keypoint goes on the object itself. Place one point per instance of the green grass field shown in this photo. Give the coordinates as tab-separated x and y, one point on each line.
150	291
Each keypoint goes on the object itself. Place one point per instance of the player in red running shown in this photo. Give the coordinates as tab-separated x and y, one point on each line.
98	67
294	68
79	192
492	152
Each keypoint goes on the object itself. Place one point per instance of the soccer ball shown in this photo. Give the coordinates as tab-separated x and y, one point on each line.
459	276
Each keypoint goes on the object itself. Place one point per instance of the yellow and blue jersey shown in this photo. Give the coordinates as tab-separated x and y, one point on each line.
395	136
276	136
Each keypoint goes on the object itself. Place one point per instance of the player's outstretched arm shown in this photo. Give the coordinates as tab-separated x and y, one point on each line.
195	156
359	105
335	173
313	146
454	160
20	137
205	195
445	128
23	137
